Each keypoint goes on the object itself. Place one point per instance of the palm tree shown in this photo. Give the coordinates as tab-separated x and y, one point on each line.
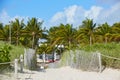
116	32
53	38
88	28
116	27
1	30
4	33
62	34
68	34
80	36
34	30
17	27
104	30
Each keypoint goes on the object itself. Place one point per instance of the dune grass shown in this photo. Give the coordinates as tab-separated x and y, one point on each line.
109	49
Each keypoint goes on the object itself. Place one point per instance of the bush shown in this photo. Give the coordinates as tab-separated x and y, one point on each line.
4	57
5	53
14	52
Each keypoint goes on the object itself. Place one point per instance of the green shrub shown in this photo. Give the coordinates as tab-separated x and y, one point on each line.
4	57
5	53
15	51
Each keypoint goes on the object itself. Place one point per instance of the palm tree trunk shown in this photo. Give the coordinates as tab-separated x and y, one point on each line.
10	34
33	41
90	40
17	39
69	44
106	40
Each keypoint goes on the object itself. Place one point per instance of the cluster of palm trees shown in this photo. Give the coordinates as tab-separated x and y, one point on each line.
17	33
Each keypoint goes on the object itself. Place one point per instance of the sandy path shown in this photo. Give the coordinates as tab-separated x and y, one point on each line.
67	73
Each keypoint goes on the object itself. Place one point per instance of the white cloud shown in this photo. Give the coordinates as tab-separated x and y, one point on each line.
110	15
58	15
39	19
93	12
76	14
70	13
67	16
4	17
20	18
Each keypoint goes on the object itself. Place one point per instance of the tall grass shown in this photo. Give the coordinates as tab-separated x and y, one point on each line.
109	49
87	61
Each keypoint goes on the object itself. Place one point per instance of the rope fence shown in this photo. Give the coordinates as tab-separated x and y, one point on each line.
15	67
110	57
6	70
5	63
100	60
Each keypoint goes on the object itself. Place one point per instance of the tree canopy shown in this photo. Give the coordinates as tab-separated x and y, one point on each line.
29	34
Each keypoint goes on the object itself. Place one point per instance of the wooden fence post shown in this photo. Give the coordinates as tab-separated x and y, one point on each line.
100	62
16	67
21	63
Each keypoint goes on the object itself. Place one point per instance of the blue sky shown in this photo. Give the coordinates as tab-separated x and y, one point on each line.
41	8
54	12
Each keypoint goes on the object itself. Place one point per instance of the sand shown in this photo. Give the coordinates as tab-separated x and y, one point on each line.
67	73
